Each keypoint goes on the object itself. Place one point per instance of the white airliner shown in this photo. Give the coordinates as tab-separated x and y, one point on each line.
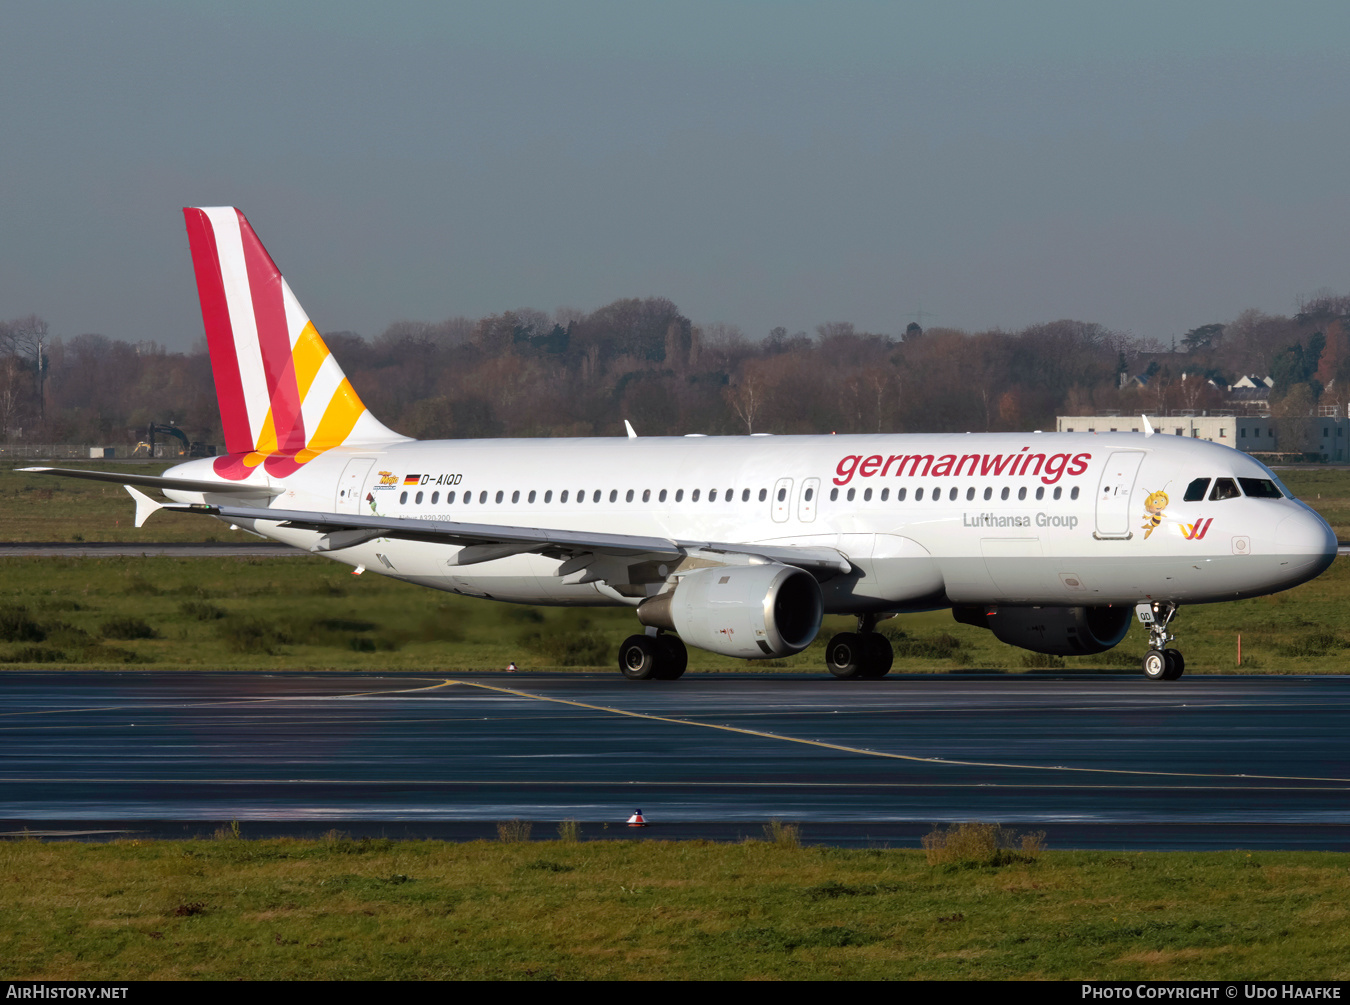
737	544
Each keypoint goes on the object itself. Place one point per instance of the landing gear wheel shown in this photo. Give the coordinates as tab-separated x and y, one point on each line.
880	656
846	655
1176	664
674	658
1155	665
859	656
639	657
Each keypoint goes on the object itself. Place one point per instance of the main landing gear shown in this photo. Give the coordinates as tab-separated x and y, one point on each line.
652	657
860	655
1160	663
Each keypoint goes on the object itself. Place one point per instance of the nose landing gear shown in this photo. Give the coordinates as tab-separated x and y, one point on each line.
1160	663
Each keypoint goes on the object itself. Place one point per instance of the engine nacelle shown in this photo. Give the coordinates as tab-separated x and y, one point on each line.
752	612
1058	631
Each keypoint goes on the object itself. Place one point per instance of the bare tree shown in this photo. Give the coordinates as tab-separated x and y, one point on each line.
28	338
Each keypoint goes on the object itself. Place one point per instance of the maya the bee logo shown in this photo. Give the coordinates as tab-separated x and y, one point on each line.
1153	511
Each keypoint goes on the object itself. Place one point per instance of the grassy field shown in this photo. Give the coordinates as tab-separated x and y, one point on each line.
339	909
310	613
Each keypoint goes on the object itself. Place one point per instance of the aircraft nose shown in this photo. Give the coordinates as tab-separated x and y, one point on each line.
1308	537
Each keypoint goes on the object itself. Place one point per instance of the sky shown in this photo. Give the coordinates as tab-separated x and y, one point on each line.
1150	167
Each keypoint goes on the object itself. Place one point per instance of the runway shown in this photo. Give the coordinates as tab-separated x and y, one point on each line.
1094	761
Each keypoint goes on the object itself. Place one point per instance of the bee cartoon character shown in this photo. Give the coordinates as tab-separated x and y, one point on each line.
1153	511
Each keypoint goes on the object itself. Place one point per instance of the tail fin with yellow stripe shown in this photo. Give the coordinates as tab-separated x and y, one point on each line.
283	398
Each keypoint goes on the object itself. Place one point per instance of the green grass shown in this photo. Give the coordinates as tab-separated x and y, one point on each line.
311	613
339	909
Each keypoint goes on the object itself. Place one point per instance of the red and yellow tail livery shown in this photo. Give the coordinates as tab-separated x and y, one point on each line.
283	397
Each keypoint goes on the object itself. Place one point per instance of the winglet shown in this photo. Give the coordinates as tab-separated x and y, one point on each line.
632	433
1148	426
145	506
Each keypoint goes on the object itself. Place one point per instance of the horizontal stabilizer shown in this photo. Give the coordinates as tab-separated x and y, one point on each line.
145	506
161	482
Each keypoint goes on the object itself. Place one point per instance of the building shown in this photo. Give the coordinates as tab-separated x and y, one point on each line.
1322	435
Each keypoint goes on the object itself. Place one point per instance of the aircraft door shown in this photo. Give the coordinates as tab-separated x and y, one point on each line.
782	500
348	499
806	505
1114	493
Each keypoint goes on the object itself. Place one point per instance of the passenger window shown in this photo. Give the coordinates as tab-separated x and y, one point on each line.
468	498
988	494
662	496
548	496
1259	488
970	493
885	494
1022	493
435	498
1004	494
402	498
1040	492
952	495
596	496
482	497
418	499
899	495
1224	488
449	497
731	495
712	495
763	494
1058	491
745	495
782	494
867	495
679	495
834	495
850	495
694	496
530	497
1073	492
499	496
515	496
613	495
918	495
809	494
1195	491
563	497
628	496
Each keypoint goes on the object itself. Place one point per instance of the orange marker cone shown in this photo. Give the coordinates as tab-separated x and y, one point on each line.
636	819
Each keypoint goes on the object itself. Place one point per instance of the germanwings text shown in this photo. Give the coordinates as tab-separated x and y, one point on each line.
1050	467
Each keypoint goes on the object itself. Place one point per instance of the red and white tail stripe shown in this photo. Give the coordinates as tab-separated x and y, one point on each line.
283	397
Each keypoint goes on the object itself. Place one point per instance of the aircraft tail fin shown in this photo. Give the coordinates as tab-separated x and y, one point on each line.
283	397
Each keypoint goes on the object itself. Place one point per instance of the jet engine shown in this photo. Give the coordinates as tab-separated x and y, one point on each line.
746	611
1059	631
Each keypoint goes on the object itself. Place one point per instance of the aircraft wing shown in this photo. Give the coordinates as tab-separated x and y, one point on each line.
484	542
160	482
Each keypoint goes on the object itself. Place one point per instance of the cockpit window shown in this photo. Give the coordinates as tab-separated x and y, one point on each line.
1195	491
1259	488
1224	488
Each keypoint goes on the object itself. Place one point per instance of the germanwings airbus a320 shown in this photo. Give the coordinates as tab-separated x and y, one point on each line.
734	544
